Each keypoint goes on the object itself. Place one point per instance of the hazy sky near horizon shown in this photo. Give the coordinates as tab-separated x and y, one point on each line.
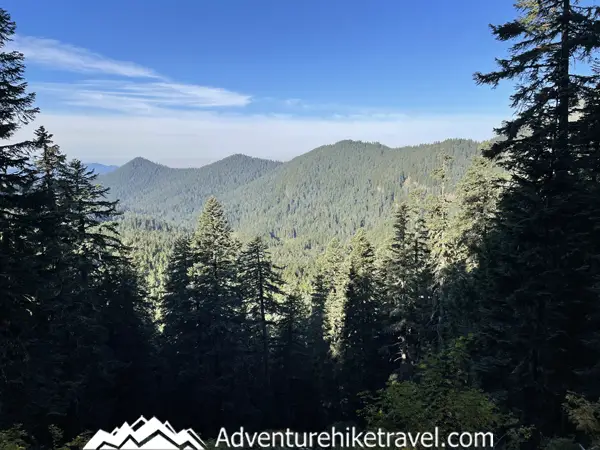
188	82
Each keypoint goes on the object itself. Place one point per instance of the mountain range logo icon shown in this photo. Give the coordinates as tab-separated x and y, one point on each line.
146	434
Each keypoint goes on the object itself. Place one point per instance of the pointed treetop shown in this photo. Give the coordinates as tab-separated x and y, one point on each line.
43	136
17	104
359	240
212	217
362	253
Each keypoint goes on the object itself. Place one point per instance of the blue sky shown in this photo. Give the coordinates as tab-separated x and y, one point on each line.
190	81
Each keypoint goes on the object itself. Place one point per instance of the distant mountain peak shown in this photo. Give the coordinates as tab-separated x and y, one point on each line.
145	187
142	160
238	156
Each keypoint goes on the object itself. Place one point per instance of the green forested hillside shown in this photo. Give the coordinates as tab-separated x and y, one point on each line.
173	194
336	189
151	241
328	192
298	206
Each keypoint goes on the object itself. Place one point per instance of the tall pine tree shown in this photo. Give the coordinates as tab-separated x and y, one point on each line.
539	305
205	329
323	383
259	283
363	368
17	109
292	364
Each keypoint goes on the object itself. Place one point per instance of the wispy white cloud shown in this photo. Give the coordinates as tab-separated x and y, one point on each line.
58	55
138	89
149	98
179	124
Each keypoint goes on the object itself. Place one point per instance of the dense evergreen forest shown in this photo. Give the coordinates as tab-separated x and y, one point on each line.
327	193
453	285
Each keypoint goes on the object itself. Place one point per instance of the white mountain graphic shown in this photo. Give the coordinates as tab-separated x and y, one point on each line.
146	434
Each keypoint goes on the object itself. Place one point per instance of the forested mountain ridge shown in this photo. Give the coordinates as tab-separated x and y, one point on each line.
335	189
297	206
149	188
330	191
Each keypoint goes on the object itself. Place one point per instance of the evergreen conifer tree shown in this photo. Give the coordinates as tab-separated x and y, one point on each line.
362	363
17	106
322	375
292	363
539	299
206	329
259	283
